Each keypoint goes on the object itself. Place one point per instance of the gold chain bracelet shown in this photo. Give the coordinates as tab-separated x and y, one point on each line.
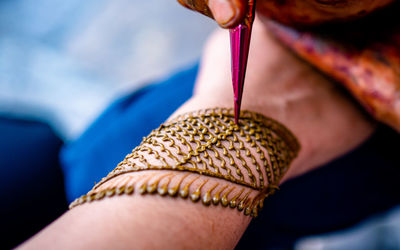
204	155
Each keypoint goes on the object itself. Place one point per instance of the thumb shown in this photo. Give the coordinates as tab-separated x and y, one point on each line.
227	13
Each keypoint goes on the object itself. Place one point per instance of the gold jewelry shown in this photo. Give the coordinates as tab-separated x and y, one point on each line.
204	156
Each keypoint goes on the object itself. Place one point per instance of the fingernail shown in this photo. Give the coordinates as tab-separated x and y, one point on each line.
223	10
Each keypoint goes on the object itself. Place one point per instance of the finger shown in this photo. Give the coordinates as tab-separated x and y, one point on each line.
228	13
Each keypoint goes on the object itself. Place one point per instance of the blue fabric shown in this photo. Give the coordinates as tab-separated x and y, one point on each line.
120	129
31	183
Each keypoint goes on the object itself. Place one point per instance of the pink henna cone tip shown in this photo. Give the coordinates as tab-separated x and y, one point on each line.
240	44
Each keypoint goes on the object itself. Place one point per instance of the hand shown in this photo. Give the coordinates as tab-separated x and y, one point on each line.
281	86
229	13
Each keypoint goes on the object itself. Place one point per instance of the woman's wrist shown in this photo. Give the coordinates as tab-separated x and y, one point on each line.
273	111
319	144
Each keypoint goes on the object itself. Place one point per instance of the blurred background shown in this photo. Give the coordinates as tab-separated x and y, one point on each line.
64	61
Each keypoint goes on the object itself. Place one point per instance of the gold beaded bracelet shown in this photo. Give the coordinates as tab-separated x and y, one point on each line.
204	155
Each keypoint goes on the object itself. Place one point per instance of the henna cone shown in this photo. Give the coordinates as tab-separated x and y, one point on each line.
240	44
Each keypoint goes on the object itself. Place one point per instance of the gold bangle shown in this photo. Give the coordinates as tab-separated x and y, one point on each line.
204	155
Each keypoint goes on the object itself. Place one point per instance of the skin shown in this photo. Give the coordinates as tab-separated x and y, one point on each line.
279	86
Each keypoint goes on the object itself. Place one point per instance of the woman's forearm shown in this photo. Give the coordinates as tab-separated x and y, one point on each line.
143	222
226	182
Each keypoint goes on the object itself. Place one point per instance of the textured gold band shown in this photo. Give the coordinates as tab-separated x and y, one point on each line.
206	157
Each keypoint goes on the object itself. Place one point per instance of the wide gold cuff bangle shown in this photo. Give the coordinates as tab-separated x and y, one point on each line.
205	156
